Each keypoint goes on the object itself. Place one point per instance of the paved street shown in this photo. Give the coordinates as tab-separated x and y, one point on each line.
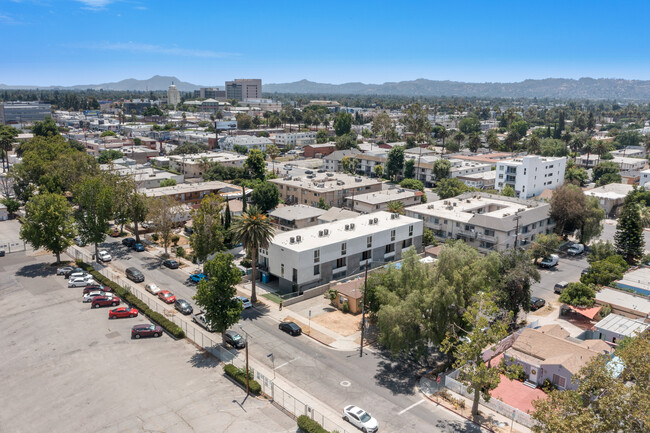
67	367
383	387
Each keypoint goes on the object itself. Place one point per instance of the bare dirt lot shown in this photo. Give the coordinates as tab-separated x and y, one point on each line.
339	322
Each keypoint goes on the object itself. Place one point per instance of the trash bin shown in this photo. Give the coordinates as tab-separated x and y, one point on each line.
265	277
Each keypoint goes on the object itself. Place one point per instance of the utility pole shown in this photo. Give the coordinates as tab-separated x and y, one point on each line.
247	370
363	309
517	218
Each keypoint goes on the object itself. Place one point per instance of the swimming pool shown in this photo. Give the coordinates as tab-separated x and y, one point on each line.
638	290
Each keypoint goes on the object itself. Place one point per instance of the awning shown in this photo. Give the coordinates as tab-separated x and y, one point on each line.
587	312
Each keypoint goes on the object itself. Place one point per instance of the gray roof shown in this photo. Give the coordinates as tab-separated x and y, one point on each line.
340	154
297	212
336	213
622	325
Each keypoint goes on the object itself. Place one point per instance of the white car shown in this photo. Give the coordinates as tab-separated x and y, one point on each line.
245	302
549	261
576	250
88	297
104	256
78	275
81	282
152	288
360	419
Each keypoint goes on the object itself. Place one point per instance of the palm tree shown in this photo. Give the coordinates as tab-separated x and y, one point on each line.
474	142
442	134
253	230
601	147
273	153
534	144
395	207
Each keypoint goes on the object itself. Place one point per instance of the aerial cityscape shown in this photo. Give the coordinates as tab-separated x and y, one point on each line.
314	217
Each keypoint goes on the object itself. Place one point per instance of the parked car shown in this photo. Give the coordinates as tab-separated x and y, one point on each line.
79	242
105	301
360	419
197	277
167	296
95	287
171	264
245	301
576	250
550	261
128	242
68	270
559	287
78	274
200	320
183	306
321	170
138	247
119	312
104	256
134	274
152	288
309	172
115	232
146	330
81	282
235	340
88	297
536	303
290	328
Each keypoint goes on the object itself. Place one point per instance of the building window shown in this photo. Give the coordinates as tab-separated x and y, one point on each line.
489	232
282	270
390	248
392	235
344	248
559	381
369	241
407	243
366	255
316	256
316	269
340	263
410	230
294	277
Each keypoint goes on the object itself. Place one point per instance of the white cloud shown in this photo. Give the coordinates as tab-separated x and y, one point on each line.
95	4
136	47
8	20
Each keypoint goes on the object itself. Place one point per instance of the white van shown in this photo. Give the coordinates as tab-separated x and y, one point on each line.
550	261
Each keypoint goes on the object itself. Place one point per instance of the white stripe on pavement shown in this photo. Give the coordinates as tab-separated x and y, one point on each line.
412	406
282	365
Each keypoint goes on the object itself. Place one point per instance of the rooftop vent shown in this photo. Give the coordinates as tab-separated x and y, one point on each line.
347	227
320	233
358	179
352	226
370	221
298	238
430	206
375	220
292	240
326	232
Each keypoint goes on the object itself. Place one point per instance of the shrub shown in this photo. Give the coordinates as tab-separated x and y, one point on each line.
175	239
345	307
246	262
154	237
308	425
180	252
239	374
133	300
548	386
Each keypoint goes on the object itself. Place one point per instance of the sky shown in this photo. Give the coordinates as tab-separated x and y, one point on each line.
70	42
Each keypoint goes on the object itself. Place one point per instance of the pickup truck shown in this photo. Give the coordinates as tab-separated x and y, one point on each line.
200	320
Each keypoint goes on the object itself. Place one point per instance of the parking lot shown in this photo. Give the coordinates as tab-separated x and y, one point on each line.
67	367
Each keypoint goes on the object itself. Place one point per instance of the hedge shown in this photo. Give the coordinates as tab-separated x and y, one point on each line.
129	297
308	425
239	374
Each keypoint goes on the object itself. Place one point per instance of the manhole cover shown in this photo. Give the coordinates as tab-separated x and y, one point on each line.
345	383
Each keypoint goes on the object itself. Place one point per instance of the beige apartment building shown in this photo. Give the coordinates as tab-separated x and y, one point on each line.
332	188
485	221
378	201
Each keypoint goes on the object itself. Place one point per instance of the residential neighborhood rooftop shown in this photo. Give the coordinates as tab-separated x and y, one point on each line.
622	325
324	183
296	212
386	195
627	300
335	214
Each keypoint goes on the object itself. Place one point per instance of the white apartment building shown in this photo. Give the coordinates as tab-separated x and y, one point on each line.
312	256
295	139
483	180
485	221
145	177
194	165
626	164
645	178
530	175
173	95
247	141
378	201
332	162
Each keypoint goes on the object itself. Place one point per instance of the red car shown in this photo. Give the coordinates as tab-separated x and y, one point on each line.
146	330
95	287
167	296
122	312
105	301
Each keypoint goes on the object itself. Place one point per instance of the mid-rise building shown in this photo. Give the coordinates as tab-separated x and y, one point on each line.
530	175
173	95
247	141
193	193
210	93
332	188
294	139
378	201
195	165
485	221
241	89
23	112
295	217
311	256
332	162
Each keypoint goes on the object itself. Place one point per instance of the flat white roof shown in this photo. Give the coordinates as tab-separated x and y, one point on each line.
186	188
297	212
337	233
384	196
325	183
624	299
622	325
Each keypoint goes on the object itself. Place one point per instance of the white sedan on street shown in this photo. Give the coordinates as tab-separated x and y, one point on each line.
152	288
104	256
360	419
88	297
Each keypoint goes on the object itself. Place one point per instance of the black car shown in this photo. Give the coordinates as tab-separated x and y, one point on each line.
309	172
183	306
536	303
290	328
235	340
128	242
322	170
171	264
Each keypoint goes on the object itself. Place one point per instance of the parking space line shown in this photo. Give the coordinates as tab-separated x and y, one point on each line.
288	362
412	406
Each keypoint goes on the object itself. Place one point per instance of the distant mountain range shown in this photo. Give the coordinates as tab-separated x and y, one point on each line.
557	88
560	88
156	82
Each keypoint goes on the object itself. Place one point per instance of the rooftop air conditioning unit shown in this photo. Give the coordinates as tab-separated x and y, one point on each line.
358	179
370	221
326	232
446	202
455	204
298	238
292	240
400	190
430	206
340	182
469	201
347	227
375	220
320	233
352	226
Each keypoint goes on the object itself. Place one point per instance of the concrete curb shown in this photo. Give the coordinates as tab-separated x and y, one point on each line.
457	413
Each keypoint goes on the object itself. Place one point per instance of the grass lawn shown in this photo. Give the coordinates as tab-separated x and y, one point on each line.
272	297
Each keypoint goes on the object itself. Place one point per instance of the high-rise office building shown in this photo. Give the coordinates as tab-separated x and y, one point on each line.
242	89
23	112
173	95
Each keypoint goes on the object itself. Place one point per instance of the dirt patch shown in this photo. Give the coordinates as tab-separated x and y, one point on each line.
316	335
546	310
339	322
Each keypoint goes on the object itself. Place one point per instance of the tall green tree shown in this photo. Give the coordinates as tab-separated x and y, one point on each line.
417	121
253	230
48	223
395	207
606	172
545	245
573	212
7	136
207	237
395	162
46	128
95	198
629	232
266	196
409	168
469	125
342	123
164	213
441	169
517	276
216	294
451	187
381	124
256	164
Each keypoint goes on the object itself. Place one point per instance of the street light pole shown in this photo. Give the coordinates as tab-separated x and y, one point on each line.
363	310
247	379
